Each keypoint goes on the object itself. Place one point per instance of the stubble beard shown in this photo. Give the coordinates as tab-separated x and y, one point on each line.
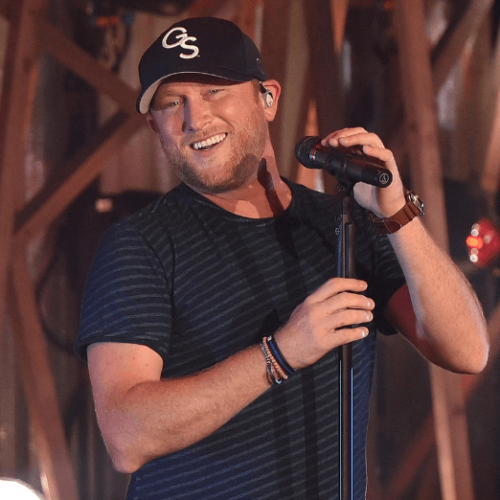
234	172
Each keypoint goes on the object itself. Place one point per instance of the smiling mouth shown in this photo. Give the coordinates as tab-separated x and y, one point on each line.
208	143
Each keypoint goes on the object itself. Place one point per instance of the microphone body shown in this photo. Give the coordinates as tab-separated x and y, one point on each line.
345	166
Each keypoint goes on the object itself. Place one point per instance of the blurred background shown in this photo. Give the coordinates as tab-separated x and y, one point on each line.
76	157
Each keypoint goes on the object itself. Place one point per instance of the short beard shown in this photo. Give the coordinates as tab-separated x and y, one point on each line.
243	173
237	171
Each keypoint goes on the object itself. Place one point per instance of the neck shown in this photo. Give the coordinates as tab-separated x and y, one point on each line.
265	196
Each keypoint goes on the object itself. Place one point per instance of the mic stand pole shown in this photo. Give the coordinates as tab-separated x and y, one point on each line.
345	269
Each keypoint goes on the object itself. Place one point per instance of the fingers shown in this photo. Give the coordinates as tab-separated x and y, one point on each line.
355	136
335	286
335	314
339	311
349	335
339	294
359	140
358	310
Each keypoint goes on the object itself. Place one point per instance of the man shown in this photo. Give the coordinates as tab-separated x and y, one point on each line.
212	317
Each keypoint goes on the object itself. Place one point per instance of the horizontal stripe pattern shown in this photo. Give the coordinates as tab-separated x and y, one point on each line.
196	284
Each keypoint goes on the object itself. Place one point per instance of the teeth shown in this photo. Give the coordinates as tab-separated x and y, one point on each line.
209	142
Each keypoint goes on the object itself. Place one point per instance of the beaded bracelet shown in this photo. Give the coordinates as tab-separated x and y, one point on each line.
276	366
271	377
276	353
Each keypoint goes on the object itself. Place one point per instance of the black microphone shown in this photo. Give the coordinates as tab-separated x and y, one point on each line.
344	166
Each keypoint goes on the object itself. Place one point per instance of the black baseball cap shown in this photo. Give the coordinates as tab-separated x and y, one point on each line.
199	45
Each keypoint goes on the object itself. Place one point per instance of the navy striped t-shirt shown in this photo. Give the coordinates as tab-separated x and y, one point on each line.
197	284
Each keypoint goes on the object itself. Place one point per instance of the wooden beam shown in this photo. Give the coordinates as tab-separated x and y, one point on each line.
452	44
421	446
296	90
429	482
28	35
445	56
420	111
11	421
58	479
450	424
6	7
491	171
324	68
308	176
77	60
275	30
306	124
251	20
425	440
326	87
20	74
71	181
423	142
339	9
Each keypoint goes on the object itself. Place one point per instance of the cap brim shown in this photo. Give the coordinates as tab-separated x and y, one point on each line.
144	100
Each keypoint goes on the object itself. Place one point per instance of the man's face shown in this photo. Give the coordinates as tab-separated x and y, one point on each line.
213	131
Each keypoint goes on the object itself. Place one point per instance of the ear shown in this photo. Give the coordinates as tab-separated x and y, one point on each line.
274	88
151	123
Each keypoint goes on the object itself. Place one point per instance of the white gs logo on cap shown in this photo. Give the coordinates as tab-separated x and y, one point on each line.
182	39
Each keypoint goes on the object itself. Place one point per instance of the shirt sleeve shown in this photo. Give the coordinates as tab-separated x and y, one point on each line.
127	294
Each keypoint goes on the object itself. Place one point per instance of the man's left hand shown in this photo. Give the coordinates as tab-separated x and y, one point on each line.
383	202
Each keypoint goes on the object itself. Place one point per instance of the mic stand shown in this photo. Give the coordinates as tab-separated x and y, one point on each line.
345	269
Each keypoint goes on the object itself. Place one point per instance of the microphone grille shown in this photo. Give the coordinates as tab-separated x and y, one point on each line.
303	150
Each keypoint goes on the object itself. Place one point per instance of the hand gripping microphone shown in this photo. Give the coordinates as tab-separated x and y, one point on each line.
346	167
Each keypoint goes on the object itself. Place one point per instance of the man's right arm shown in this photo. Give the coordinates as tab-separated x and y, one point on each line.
143	416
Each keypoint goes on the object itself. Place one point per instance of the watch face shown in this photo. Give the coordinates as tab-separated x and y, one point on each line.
411	196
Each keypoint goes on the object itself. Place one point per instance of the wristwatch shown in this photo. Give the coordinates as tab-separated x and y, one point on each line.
414	207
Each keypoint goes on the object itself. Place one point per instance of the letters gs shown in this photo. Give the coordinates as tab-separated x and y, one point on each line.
182	40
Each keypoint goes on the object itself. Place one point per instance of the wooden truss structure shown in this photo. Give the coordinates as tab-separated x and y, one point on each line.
30	35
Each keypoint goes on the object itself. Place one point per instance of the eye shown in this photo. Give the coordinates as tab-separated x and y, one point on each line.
167	104
213	92
172	104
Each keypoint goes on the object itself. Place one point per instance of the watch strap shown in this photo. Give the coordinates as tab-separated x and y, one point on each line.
413	208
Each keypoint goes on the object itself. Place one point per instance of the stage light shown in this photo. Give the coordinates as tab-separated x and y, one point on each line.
13	489
483	243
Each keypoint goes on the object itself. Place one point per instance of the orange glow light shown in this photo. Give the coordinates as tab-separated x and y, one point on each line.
474	242
483	243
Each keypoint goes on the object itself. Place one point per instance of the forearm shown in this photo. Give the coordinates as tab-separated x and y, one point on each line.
154	418
451	328
143	417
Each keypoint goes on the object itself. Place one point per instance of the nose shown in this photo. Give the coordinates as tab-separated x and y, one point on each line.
196	115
